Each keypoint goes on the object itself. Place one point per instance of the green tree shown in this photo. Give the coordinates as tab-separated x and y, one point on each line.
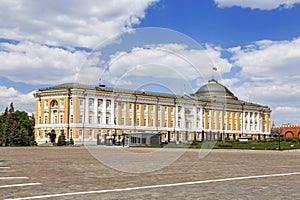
16	128
61	139
25	125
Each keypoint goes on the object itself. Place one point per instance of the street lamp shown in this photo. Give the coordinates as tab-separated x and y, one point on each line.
278	133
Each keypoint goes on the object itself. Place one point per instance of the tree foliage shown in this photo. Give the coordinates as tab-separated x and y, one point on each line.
16	128
61	139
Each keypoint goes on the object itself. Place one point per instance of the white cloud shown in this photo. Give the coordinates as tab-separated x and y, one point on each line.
21	101
286	114
171	61
257	4
276	61
270	76
33	63
70	23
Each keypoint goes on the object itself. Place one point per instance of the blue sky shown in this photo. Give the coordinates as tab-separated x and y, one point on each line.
254	44
228	27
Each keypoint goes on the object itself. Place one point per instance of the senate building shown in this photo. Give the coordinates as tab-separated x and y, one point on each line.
100	115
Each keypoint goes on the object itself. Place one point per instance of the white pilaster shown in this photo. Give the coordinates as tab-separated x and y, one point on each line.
201	118
112	112
104	111
95	110
248	120
195	117
258	122
176	116
183	117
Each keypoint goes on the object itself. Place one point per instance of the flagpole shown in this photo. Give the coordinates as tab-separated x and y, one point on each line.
213	70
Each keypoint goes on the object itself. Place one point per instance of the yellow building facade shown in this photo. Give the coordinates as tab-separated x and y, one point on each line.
98	114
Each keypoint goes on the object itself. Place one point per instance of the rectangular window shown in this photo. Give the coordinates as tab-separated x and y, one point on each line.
145	122
45	134
61	119
130	121
61	102
123	106
130	106
107	120
138	121
99	119
90	133
46	103
107	104
99	103
90	119
123	121
80	134
91	102
55	119
138	106
80	118
71	118
46	119
81	102
71	102
187	124
145	107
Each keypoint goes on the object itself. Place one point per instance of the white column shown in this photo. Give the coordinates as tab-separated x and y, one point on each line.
104	111
183	117
244	119
258	122
248	120
195	118
176	116
95	111
253	122
112	111
210	119
86	110
201	118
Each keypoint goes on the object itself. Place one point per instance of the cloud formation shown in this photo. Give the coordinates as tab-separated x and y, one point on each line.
34	63
166	61
267	60
69	22
23	101
258	4
270	75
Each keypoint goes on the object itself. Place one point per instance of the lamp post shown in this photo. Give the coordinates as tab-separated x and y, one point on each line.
278	133
84	110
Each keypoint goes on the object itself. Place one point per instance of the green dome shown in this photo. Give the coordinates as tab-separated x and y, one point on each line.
213	89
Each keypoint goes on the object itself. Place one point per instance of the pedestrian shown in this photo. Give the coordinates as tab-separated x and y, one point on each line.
123	141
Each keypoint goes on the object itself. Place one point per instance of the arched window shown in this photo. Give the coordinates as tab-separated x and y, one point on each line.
54	104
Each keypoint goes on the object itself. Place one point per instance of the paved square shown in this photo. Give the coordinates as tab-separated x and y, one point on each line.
73	173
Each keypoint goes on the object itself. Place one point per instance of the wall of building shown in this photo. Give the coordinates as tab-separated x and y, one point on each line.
290	130
85	115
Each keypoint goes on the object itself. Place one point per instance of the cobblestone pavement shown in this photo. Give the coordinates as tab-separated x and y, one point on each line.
54	170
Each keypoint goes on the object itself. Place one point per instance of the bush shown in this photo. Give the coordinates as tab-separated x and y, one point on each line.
226	145
61	139
71	142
